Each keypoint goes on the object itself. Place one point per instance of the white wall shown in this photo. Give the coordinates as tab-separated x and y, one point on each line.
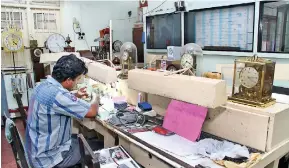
94	16
212	59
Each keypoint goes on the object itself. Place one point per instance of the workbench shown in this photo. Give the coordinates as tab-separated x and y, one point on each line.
257	128
151	157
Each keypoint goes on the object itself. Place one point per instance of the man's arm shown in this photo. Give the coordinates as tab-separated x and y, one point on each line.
67	104
92	112
93	107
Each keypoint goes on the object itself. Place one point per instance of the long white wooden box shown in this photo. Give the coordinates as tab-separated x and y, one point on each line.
262	129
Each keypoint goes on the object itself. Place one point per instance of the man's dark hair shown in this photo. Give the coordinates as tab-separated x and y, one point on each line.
68	66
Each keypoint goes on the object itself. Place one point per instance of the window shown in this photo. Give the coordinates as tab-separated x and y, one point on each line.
11	18
163	30
274	27
44	21
13	1
221	29
46	2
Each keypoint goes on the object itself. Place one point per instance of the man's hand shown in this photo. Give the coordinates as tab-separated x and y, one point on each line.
81	93
95	99
94	106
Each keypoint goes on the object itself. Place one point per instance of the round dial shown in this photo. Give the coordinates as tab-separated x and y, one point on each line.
187	61
56	43
13	42
125	56
37	52
116	45
249	77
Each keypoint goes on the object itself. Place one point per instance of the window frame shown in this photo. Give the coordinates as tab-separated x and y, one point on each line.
225	7
259	39
45	3
10	19
48	11
146	39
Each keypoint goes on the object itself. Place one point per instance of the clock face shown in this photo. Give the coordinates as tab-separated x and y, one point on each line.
116	45
56	43
249	77
13	42
187	61
125	56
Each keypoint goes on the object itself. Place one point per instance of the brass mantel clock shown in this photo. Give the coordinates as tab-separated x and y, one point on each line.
253	82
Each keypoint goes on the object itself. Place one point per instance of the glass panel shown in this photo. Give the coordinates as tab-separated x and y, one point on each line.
3	16
46	21
274	27
221	29
163	30
3	24
16	15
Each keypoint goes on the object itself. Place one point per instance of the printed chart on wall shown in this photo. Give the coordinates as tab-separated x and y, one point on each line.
230	27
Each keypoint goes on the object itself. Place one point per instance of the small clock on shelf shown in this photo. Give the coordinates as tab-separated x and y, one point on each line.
253	82
55	43
188	61
189	58
12	40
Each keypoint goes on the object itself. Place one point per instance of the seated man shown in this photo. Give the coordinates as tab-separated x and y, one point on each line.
49	142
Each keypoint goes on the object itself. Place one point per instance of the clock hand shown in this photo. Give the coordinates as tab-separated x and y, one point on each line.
189	63
59	45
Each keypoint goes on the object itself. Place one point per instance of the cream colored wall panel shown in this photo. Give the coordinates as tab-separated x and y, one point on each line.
159	103
130	94
238	126
278	129
146	159
197	90
101	72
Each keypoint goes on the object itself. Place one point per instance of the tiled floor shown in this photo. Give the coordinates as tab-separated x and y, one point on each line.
7	156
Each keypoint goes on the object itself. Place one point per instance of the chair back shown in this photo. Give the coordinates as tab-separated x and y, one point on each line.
14	139
22	111
90	160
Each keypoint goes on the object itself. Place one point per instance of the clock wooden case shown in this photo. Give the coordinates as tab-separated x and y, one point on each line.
253	82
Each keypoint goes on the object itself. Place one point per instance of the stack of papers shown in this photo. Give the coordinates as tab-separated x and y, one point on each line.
173	144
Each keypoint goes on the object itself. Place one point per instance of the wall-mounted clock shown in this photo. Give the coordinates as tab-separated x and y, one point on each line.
55	43
12	40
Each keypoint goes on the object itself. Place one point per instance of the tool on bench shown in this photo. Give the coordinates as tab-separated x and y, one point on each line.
126	117
145	106
162	131
120	105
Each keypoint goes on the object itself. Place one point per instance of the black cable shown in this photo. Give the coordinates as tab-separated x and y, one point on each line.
137	116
